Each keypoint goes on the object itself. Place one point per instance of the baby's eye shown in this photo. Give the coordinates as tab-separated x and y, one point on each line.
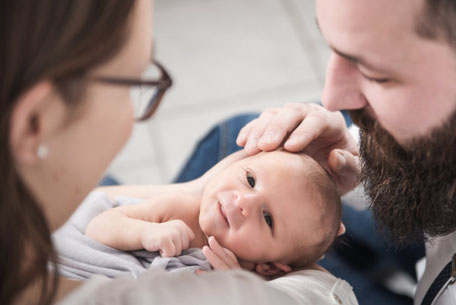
250	179
267	218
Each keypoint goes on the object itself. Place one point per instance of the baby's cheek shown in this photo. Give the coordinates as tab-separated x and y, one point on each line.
308	257
245	248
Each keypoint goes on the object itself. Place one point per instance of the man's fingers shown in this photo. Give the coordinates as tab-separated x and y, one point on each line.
280	126
257	129
244	132
310	128
345	168
251	147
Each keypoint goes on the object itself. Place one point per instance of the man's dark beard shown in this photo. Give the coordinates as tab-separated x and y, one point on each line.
412	187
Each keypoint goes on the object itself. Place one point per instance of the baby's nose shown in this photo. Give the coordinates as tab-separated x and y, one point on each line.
248	203
233	211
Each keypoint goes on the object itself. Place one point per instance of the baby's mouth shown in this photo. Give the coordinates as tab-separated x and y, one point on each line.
222	211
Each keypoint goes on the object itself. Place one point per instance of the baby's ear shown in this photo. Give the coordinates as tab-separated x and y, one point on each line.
341	229
272	269
247	265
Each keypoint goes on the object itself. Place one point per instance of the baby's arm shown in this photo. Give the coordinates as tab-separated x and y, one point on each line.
143	226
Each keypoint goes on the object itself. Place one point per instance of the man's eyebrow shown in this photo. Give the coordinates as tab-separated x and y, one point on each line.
359	60
353	58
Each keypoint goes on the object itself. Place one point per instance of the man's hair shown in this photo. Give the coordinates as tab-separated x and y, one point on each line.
437	21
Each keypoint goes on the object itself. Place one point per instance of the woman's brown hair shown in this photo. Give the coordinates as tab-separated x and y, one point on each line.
52	40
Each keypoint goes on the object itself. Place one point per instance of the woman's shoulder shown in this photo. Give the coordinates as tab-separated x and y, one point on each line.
84	292
160	287
218	287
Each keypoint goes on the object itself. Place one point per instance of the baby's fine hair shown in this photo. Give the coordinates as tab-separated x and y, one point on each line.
325	192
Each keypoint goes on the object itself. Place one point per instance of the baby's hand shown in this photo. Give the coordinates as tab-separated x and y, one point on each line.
220	258
170	238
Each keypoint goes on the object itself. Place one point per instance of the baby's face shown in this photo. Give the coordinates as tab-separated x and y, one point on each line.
264	206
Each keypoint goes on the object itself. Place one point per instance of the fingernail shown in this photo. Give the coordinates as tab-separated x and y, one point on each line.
292	140
266	139
240	137
252	143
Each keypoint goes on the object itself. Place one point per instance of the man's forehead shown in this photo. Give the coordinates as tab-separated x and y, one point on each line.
361	17
373	8
374	31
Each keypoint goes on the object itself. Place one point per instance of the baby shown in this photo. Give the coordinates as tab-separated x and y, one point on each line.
270	213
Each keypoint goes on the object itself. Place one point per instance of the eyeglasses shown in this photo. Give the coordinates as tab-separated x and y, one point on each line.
147	92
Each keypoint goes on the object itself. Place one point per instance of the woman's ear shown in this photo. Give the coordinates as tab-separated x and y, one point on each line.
34	116
341	229
272	269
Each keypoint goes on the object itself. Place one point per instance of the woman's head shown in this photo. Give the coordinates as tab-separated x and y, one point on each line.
50	50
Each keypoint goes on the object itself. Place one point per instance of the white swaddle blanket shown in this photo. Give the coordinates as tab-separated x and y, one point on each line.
81	257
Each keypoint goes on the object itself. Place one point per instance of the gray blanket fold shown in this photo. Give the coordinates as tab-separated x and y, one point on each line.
81	257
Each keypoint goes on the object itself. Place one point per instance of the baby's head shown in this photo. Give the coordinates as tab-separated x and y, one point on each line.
276	211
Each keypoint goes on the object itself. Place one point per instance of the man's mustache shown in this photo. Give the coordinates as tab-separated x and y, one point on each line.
363	120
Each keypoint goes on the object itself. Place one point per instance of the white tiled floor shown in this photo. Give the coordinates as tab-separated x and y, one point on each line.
225	57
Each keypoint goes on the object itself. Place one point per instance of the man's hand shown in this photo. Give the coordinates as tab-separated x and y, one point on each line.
309	128
170	238
220	258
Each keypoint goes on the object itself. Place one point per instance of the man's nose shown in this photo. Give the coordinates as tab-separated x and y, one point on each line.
342	85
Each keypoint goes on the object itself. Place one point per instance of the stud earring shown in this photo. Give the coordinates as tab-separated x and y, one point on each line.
42	152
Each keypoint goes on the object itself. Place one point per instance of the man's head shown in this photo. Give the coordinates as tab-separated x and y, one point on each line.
272	209
386	62
396	61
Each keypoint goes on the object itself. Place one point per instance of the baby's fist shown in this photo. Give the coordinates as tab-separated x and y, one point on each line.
170	238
